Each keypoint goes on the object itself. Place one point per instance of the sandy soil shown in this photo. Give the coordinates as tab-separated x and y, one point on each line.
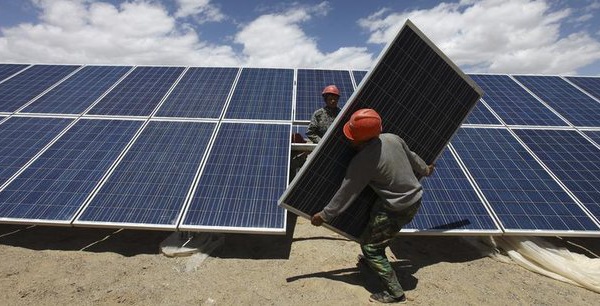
309	266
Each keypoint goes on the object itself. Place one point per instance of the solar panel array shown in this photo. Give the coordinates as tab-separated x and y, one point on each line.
207	148
145	146
501	173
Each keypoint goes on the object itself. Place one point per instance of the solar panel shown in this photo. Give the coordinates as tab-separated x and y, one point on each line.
201	93
20	89
590	84
139	93
53	188
481	115
450	203
572	158
264	94
150	184
570	102
77	93
524	197
22	138
245	173
420	95
513	103
310	84
358	76
6	70
594	135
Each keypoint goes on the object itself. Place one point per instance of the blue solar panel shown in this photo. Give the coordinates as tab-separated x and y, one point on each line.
590	84
151	183
594	135
450	202
570	102
513	103
22	138
572	158
17	91
481	115
310	84
201	93
77	93
245	174
521	193
139	93
358	76
54	187
262	94
7	70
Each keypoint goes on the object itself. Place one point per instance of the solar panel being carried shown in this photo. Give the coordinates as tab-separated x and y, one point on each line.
420	95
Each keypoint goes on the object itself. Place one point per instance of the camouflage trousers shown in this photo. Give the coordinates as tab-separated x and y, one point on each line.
383	226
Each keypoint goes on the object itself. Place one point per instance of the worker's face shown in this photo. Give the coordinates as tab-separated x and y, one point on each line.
331	100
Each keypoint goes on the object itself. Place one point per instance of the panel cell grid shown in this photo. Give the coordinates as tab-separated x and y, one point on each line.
310	84
201	93
244	175
7	70
481	115
264	94
17	91
570	102
150	184
22	138
572	158
54	187
139	93
513	103
450	202
358	76
521	193
590	84
77	93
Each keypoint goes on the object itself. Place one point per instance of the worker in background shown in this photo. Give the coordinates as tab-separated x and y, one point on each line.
323	117
384	162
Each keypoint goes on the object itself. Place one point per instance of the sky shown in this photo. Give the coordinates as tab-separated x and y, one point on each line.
480	36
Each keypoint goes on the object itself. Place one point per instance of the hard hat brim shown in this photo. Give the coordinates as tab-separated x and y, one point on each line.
347	132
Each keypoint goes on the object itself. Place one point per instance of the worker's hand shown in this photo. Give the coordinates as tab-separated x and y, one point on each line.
430	169
317	220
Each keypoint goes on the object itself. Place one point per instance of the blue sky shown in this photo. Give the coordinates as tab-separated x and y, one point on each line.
496	36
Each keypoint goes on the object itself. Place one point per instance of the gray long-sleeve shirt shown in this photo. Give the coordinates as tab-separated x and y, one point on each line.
386	164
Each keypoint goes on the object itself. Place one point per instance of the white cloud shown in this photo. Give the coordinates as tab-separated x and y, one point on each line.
202	10
82	31
143	32
278	40
502	36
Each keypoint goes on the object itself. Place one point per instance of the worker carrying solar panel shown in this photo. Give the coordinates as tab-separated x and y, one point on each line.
384	162
324	116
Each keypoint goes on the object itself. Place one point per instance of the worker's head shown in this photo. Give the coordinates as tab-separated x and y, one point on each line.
331	96
364	125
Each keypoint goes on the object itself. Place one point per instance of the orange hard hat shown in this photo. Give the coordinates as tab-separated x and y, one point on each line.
363	125
331	89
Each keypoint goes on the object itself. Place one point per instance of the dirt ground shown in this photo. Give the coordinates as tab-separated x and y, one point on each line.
308	266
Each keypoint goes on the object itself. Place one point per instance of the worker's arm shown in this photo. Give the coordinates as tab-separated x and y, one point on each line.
312	132
358	175
416	162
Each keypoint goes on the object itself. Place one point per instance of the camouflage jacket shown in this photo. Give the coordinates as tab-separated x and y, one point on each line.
320	122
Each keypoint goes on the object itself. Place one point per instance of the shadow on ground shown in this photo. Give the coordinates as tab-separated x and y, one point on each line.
128	242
